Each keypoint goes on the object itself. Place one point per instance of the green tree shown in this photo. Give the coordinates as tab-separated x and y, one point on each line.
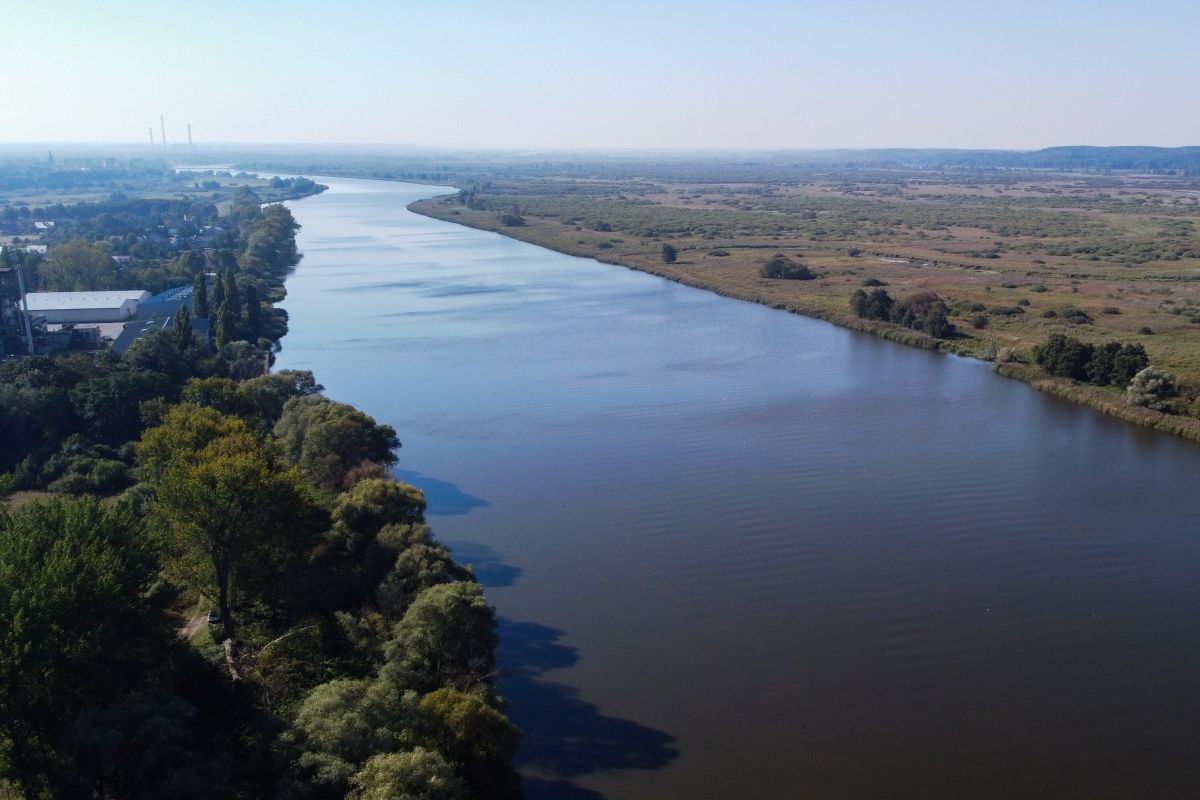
77	266
181	330
476	737
233	295
417	775
1064	356
229	517
253	314
200	296
226	332
780	266
270	393
326	439
669	254
447	638
80	627
343	723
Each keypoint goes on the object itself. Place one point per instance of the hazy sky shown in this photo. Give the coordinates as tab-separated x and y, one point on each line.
508	73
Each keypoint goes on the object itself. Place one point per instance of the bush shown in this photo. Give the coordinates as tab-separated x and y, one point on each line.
1146	330
873	282
876	305
1152	388
924	312
1076	316
669	254
780	266
979	322
1064	357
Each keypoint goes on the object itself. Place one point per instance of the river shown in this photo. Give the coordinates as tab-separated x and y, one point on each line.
742	553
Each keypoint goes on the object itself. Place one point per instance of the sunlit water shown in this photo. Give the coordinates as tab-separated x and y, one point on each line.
741	553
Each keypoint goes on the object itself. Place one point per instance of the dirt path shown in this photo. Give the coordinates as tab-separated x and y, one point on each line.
195	623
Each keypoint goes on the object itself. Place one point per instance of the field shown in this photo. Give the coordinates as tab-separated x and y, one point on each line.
1017	255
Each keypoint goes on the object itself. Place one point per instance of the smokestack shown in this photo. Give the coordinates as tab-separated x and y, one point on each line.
163	126
189	134
152	136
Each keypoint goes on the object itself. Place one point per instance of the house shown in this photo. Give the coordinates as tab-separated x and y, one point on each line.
58	307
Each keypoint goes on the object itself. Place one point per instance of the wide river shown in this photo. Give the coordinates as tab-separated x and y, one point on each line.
739	553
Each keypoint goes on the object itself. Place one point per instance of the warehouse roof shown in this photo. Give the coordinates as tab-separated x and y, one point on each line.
58	301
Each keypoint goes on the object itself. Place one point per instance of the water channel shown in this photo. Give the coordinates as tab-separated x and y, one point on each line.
742	553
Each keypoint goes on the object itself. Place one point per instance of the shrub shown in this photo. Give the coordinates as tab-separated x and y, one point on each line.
1076	316
1063	356
669	254
780	266
873	282
1146	330
1152	388
876	305
979	322
924	312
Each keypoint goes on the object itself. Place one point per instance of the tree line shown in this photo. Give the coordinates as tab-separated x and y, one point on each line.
349	656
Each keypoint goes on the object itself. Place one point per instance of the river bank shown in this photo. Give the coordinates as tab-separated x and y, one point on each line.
1081	394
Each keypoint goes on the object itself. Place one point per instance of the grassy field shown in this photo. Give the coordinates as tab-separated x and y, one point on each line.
1009	252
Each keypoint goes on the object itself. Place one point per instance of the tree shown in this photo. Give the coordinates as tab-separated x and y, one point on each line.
226	332
270	393
217	298
326	439
229	518
344	722
876	305
253	314
780	266
233	295
925	312
1127	363
474	736
80	628
669	254
181	330
417	775
77	266
1064	356
1152	388
419	566
200	296
447	638
359	514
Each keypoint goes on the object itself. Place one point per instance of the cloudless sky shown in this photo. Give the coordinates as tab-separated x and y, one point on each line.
565	74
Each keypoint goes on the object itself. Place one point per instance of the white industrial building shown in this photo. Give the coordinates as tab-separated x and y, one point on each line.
59	307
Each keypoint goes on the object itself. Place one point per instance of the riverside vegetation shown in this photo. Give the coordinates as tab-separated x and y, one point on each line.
212	586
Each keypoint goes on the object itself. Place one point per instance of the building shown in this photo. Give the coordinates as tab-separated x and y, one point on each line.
136	330
59	307
165	303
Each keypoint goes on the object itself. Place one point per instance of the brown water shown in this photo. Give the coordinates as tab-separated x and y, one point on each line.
741	553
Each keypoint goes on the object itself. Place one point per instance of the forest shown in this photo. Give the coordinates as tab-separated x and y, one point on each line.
211	585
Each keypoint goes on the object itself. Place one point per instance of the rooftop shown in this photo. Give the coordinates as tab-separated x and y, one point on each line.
47	301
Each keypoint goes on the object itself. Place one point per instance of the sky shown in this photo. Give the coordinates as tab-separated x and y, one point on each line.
576	74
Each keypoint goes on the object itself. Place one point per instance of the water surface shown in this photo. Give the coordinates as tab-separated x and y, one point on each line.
742	553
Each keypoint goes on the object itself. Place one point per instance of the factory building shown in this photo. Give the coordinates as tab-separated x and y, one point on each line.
67	307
